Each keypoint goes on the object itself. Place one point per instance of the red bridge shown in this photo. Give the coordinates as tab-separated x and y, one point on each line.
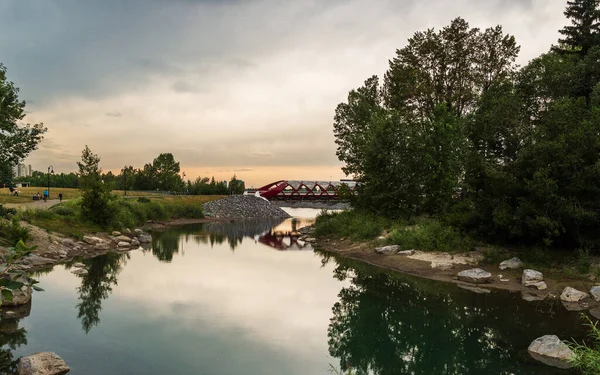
305	190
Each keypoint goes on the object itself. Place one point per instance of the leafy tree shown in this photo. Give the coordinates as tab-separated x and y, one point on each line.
584	31
16	140
96	194
236	186
126	181
167	172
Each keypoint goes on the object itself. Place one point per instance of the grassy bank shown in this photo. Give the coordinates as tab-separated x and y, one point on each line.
428	234
67	218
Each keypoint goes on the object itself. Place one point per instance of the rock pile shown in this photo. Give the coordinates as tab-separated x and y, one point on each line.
243	207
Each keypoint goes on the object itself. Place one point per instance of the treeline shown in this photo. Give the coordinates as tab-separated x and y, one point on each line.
163	174
458	131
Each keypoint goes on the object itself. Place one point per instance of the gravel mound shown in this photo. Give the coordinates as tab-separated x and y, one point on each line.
243	207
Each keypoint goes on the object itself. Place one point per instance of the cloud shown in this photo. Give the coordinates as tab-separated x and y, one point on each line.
219	82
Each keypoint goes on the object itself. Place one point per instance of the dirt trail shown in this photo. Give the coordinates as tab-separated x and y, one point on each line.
40	205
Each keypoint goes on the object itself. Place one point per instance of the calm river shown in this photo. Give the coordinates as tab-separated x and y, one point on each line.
238	299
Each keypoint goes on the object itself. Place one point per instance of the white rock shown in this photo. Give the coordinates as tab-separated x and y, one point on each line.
138	231
127	231
475	275
123	244
79	271
595	292
539	285
512	263
123	239
388	250
146	238
102	246
531	277
44	363
573	295
551	351
406	252
91	240
442	266
116	233
68	242
135	243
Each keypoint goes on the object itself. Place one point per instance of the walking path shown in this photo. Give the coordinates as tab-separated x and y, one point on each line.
40	205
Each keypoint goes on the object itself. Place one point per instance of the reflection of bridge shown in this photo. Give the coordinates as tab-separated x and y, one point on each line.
284	241
305	190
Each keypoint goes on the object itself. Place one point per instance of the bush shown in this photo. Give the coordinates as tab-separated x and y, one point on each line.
12	230
356	225
143	200
430	235
587	358
64	210
7	212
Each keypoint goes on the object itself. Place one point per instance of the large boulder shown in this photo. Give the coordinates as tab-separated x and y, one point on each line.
531	278
20	297
44	363
388	250
123	239
475	276
512	263
572	295
145	238
551	351
595	292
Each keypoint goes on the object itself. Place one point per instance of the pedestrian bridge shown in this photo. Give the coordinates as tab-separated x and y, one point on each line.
306	190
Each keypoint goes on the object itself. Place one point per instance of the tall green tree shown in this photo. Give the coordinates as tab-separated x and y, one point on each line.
96	194
167	172
584	31
16	140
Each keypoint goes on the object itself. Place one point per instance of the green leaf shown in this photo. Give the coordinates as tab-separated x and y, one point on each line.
7	295
37	288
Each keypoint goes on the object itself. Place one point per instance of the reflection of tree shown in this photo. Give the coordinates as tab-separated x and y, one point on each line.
385	325
165	244
96	286
11	337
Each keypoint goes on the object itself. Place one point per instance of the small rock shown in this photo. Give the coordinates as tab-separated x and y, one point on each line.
381	238
512	263
506	280
531	277
572	295
63	253
539	285
146	238
442	266
138	231
127	231
388	250
102	246
78	265
68	242
595	312
116	233
475	275
91	240
551	351
595	292
406	252
135	243
79	271
124	244
123	239
530	297
44	363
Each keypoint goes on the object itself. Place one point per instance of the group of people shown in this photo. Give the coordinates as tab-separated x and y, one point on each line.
47	195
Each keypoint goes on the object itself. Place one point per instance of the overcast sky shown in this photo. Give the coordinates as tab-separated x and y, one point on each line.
228	86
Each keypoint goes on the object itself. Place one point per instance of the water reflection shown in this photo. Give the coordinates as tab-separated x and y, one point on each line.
11	336
388	324
96	286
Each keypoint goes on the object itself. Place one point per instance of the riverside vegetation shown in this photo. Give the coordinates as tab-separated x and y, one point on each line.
460	145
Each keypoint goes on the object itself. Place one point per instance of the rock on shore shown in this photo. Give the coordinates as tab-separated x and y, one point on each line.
551	351
44	363
243	207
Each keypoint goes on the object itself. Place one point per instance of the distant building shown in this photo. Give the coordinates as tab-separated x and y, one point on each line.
22	170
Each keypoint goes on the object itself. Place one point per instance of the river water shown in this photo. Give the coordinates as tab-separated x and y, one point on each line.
243	299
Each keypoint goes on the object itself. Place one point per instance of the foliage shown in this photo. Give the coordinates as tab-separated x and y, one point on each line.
12	279
236	186
96	195
353	224
16	140
12	231
430	235
587	356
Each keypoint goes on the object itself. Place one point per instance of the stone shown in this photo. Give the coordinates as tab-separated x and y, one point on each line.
135	243
595	292
406	252
475	276
91	240
116	233
146	238
78	265
308	239
123	239
79	271
243	207
512	263
37	261
531	277
442	266
574	306
102	246
539	285
68	242
138	231
123	244
475	289
388	250
551	351
20	297
531	297
43	363
127	231
595	312
63	253
573	295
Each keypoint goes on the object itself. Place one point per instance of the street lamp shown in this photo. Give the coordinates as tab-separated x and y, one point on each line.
50	170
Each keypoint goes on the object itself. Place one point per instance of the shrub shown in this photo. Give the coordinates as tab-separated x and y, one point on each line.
12	230
64	210
430	235
587	358
356	225
7	212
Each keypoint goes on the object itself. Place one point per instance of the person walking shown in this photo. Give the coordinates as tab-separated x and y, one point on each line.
45	195
60	197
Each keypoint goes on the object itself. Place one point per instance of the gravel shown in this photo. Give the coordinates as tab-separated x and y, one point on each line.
243	207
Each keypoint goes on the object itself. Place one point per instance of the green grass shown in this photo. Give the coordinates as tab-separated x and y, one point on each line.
587	355
356	225
430	235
